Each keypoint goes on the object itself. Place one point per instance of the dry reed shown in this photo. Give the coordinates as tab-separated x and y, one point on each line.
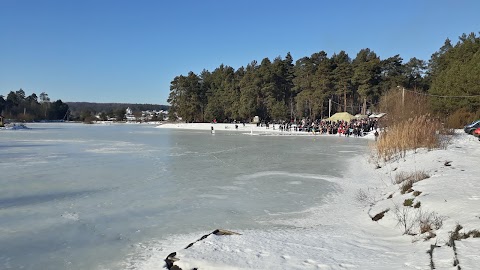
415	176
408	125
402	108
417	132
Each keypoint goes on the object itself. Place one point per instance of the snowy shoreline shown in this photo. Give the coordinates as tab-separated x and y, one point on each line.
250	129
341	234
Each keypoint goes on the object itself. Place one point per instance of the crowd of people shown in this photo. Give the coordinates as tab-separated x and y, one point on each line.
354	127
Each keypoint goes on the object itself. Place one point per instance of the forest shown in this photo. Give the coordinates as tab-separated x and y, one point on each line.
281	90
20	107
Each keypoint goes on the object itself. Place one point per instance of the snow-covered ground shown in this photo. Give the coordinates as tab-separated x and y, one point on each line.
247	128
251	129
341	233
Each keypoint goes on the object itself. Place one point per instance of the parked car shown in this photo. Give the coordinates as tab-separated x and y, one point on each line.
476	132
471	127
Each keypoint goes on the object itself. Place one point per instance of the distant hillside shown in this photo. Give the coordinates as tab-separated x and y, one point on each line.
77	107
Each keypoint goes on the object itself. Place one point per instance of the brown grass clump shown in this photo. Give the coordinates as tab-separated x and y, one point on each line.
474	233
415	176
417	205
456	235
406	186
418	132
430	221
425	227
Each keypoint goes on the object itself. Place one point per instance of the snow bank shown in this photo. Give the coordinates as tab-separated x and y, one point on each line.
341	233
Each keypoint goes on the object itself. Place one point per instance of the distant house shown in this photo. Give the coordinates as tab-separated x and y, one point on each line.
129	115
146	116
150	115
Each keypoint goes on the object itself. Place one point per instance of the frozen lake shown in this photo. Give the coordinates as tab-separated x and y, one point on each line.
77	196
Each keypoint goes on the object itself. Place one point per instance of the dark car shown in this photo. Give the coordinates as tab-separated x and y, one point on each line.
471	127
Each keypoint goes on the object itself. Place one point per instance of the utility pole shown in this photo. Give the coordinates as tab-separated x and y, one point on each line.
291	108
364	109
403	96
329	107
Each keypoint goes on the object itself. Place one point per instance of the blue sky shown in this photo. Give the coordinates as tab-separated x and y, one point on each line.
129	51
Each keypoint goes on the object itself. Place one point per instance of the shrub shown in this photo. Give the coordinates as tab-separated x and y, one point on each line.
425	227
408	202
432	218
89	120
404	218
428	222
417	205
418	132
25	117
417	193
363	196
415	221
460	118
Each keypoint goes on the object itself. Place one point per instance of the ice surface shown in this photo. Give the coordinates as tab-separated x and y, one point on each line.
124	196
88	196
340	234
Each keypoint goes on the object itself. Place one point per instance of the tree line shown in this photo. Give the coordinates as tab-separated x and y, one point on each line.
284	90
82	111
17	105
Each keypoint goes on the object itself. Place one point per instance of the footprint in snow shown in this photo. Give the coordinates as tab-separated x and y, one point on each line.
309	261
347	265
263	254
474	198
286	257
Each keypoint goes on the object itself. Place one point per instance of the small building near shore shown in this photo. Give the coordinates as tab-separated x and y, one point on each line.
377	115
